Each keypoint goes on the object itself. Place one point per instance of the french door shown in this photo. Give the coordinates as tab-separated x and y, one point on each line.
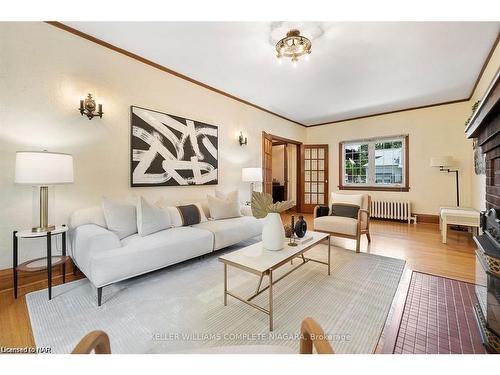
267	163
314	177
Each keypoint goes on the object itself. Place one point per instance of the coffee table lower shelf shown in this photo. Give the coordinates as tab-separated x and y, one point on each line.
269	273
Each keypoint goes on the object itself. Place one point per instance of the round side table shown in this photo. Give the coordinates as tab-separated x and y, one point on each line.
44	263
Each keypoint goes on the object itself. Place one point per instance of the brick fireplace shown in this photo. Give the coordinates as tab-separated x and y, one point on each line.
485	127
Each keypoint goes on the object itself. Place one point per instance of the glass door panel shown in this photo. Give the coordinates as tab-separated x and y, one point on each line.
315	176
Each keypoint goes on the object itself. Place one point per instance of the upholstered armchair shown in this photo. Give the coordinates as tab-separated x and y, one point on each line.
348	216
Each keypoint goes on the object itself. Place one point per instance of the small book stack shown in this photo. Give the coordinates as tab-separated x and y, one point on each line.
304	239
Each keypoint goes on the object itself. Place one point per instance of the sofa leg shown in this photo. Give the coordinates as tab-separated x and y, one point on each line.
368	236
358	240
99	296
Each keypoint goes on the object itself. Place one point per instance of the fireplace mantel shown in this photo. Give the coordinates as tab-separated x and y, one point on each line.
486	111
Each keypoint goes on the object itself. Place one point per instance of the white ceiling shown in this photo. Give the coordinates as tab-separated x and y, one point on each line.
355	69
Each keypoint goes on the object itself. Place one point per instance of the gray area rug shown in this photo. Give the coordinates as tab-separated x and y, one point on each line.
181	307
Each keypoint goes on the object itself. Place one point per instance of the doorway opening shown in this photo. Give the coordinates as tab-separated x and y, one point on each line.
281	166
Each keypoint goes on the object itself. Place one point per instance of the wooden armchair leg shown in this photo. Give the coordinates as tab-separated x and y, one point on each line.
358	240
368	237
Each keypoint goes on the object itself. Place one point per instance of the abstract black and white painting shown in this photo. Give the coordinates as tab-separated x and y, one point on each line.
169	150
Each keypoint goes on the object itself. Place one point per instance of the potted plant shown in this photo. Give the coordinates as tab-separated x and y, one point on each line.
273	233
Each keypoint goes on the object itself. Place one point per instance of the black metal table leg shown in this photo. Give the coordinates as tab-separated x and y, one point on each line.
49	263
15	260
64	254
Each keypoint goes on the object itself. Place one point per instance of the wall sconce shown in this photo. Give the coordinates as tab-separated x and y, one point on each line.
242	139
87	108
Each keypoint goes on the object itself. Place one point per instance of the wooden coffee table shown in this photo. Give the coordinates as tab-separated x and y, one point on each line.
261	262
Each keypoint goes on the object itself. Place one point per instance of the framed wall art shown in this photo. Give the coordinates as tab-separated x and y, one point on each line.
167	150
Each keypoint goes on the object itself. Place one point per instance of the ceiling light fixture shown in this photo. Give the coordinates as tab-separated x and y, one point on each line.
293	46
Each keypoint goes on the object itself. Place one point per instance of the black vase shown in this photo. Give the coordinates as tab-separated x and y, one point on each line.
300	227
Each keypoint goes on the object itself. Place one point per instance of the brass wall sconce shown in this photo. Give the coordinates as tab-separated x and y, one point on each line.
87	108
242	139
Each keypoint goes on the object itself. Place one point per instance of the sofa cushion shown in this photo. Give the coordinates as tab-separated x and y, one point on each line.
151	219
228	232
139	255
120	217
336	224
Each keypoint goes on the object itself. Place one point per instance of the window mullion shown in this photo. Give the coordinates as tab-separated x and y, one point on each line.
371	163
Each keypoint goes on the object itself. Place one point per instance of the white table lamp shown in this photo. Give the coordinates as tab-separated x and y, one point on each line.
42	168
251	175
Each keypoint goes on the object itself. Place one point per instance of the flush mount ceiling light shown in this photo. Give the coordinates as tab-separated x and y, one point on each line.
293	46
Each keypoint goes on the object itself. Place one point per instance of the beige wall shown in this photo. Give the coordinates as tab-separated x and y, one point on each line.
44	72
432	131
478	182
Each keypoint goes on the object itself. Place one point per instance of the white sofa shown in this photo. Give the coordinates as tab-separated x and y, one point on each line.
105	259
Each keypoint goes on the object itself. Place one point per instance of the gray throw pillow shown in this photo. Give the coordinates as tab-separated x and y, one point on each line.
345	210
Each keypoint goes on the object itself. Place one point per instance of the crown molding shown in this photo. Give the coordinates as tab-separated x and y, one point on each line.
122	51
141	59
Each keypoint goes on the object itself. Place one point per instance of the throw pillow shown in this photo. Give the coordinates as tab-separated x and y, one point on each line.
189	216
224	206
120	218
346	205
151	219
90	215
203	203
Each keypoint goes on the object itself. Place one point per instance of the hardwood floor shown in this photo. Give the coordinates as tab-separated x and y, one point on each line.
420	245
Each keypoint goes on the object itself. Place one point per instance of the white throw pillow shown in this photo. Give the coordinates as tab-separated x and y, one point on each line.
224	206
120	218
353	199
90	215
151	219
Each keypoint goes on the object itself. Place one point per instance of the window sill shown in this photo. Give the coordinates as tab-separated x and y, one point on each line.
375	188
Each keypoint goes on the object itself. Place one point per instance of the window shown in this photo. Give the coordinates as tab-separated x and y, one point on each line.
374	164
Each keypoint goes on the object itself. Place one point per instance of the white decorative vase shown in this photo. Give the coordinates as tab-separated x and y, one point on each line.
273	233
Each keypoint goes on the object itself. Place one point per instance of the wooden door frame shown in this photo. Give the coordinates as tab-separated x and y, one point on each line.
300	151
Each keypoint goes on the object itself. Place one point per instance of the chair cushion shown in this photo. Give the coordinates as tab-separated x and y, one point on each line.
336	224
